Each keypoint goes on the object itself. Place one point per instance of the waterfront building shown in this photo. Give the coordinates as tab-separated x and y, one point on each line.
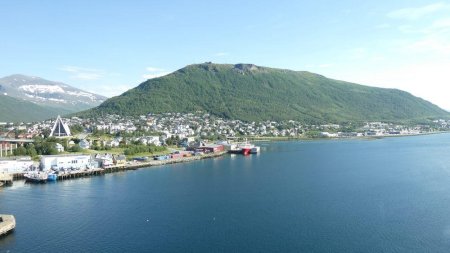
104	160
120	160
65	162
15	165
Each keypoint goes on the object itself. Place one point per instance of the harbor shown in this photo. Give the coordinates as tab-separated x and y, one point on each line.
41	176
53	168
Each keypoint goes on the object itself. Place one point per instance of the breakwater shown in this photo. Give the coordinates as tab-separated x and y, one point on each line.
7	224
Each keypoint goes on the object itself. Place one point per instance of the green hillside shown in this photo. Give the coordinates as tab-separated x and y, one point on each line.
16	110
253	93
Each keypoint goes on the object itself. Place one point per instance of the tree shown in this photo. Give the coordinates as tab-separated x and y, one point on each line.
77	128
31	151
20	151
75	148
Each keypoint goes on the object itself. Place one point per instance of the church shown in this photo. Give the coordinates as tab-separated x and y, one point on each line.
60	129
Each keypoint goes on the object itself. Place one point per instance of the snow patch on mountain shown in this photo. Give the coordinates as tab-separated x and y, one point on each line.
36	88
82	94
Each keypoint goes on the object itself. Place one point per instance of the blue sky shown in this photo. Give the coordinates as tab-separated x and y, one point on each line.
108	47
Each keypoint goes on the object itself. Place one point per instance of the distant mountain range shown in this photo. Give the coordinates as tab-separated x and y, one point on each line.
253	93
30	98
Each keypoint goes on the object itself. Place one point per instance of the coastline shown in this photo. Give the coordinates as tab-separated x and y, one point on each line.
269	139
128	166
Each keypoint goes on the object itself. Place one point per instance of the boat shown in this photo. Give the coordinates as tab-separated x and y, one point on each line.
244	148
254	150
36	177
52	177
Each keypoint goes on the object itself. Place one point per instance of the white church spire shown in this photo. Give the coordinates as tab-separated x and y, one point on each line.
60	129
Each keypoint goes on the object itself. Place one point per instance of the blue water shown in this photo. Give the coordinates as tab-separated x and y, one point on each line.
384	195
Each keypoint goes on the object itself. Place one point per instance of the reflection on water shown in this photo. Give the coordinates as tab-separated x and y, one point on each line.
387	195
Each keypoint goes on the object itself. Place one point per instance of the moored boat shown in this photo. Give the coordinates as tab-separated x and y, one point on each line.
52	177
255	150
36	177
244	148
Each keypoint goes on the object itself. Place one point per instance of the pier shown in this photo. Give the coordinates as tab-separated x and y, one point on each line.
6	179
7	224
124	167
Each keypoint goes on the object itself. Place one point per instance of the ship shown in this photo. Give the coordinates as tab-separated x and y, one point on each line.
244	148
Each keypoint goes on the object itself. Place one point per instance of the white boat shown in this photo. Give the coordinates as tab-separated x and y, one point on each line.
254	150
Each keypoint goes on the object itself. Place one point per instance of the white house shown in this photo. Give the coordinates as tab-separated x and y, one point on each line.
104	160
84	144
153	140
65	161
59	147
113	143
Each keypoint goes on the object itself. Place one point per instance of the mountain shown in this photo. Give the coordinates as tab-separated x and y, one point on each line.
253	93
18	110
48	93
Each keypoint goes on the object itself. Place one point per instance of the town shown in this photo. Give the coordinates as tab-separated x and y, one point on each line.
75	145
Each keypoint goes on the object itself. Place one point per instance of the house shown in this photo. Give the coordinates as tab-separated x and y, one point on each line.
120	160
113	143
71	143
59	147
153	140
84	144
104	160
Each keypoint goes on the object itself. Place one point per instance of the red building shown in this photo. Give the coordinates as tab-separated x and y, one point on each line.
211	148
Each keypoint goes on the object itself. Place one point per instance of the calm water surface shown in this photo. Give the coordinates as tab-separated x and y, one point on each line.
385	195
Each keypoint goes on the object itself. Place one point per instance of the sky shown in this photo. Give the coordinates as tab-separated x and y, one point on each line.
108	47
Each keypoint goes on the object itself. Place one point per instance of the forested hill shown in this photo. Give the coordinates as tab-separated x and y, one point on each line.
252	93
18	110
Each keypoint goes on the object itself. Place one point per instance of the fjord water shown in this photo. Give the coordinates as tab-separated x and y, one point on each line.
379	195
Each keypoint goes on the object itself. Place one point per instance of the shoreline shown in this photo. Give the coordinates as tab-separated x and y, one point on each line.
271	139
129	166
137	165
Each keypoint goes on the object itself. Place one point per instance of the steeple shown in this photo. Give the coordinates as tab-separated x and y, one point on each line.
60	129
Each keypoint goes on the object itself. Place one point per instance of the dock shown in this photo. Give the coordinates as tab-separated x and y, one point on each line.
6	179
117	168
7	224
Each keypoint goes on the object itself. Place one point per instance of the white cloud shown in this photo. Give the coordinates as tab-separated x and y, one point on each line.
155	75
326	65
154	72
81	73
418	12
220	54
109	90
430	45
383	26
152	69
441	24
426	79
